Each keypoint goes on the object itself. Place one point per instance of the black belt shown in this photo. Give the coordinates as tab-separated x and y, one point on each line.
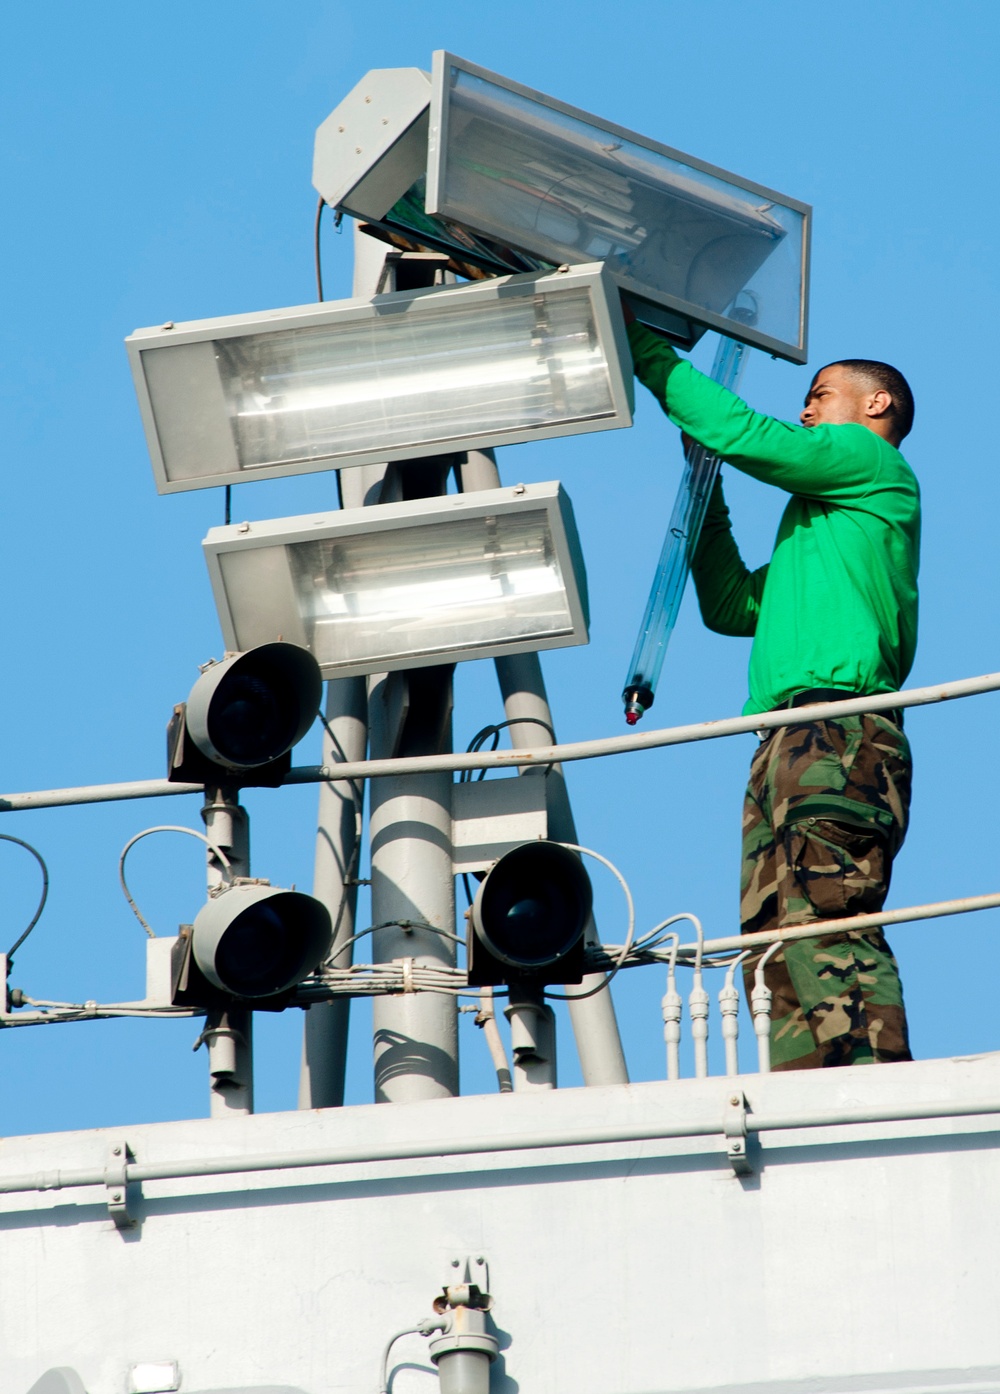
835	694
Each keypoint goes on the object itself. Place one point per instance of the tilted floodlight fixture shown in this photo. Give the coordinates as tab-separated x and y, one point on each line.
244	715
404	375
407	584
512	178
529	916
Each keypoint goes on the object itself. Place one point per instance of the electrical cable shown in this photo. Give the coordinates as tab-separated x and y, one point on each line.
6	837
765	958
87	1011
493	732
761	999
423	1328
626	947
469	897
644	942
357	794
729	1008
404	925
164	828
316	249
486	1020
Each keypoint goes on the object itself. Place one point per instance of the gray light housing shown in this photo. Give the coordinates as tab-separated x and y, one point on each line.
506	178
401	376
257	941
406	585
255	706
533	906
373	146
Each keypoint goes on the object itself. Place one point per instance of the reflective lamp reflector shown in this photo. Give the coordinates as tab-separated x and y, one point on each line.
408	584
404	375
683	237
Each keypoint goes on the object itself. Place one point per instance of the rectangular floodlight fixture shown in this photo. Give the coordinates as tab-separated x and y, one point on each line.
406	585
404	375
514	178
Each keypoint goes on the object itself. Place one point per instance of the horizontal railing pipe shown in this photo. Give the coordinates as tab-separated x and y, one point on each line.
707	1126
538	755
95	793
905	914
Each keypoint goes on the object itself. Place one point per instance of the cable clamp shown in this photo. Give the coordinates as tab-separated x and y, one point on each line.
734	1126
116	1181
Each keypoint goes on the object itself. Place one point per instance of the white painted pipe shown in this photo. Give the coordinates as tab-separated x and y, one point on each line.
538	755
903	914
709	1126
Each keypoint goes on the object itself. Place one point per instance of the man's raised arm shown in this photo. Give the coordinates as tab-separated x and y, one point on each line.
804	461
728	591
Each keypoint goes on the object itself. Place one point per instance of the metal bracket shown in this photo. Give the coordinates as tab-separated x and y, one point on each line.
734	1125
116	1180
466	1283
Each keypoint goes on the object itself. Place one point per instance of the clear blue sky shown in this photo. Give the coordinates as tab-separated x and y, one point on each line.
155	164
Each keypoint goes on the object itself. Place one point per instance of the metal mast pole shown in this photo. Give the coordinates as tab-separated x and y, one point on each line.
415	1034
228	1034
595	1028
338	833
338	849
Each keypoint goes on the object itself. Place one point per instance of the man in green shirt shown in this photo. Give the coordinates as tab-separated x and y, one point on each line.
833	615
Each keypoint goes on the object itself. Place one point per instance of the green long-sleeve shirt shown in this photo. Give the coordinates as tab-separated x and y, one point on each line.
837	604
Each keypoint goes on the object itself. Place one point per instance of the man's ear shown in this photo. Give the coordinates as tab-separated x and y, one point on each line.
879	403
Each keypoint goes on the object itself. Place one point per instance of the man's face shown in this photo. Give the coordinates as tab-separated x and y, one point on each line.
834	399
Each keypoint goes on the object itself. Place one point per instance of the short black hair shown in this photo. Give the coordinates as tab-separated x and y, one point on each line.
884	377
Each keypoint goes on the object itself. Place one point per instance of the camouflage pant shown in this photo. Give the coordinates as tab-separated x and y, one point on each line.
826	810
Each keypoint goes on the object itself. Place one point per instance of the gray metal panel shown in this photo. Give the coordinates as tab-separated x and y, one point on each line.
373	145
806	272
579	596
859	1259
493	816
276	612
611	325
202	432
389	180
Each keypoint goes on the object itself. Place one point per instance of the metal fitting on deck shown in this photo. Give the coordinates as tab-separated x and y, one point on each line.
464	1352
465	1349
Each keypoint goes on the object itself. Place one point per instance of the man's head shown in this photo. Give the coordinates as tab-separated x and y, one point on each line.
861	391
